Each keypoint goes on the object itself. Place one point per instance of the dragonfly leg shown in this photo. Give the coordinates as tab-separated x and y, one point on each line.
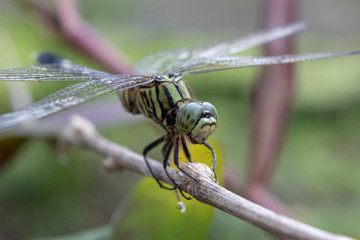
185	148
167	150
165	147
176	162
146	150
214	159
169	146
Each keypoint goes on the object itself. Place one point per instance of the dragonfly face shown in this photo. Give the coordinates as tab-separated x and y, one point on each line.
197	120
156	89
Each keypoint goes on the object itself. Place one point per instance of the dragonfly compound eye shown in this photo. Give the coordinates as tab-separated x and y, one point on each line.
197	120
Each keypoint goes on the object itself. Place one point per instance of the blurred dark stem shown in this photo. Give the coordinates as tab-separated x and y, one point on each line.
271	103
68	23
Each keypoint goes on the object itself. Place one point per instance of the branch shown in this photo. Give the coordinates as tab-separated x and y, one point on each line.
85	38
82	133
68	23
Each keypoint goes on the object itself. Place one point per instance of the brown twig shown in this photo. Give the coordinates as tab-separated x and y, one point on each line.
81	132
68	23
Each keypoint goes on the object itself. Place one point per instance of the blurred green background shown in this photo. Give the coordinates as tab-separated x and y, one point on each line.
317	178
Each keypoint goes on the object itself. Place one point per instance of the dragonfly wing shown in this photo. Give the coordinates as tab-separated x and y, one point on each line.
56	63
51	68
252	40
69	97
162	62
44	72
165	61
211	64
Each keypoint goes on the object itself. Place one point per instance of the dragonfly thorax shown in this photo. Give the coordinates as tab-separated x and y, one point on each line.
159	100
197	120
169	103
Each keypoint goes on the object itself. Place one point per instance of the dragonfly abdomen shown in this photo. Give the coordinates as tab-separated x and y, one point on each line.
128	99
159	100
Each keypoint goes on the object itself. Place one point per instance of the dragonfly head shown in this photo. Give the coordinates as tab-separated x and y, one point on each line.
197	120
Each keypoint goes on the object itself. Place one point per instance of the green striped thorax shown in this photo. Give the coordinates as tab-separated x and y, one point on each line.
197	120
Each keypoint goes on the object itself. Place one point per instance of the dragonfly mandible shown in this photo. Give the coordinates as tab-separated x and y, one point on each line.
156	89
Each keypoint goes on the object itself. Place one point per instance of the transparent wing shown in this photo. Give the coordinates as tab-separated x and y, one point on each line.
211	64
165	61
69	97
63	71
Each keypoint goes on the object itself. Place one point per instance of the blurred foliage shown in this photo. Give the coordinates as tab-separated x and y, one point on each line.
101	233
151	213
317	177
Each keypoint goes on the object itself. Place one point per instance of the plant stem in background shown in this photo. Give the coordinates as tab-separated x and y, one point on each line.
271	103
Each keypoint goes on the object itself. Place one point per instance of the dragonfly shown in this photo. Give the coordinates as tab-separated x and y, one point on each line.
156	89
